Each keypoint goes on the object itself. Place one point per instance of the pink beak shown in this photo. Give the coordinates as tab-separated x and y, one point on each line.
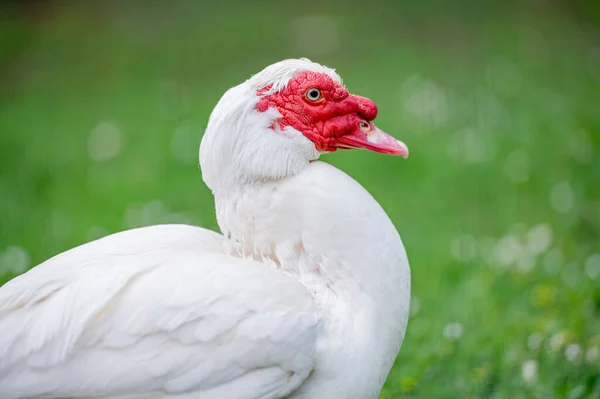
373	139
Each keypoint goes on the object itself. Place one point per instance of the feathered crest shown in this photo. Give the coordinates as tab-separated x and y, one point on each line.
279	74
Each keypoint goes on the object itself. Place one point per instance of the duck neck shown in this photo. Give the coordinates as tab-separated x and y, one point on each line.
324	229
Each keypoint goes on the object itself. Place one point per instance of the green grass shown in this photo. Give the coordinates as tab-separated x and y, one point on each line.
499	105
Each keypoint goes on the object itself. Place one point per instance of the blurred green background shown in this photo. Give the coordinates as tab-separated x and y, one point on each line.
103	105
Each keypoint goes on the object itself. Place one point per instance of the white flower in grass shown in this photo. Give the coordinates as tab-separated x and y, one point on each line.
592	266
592	354
453	331
14	260
104	141
529	370
525	262
561	197
539	239
512	353
572	352
576	392
534	341
557	341
507	250
485	248
426	100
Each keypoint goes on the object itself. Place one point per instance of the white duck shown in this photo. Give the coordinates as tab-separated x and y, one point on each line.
305	295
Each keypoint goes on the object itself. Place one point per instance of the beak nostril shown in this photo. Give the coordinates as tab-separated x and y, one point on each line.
364	126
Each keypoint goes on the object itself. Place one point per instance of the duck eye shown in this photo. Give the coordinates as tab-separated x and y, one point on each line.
314	94
364	126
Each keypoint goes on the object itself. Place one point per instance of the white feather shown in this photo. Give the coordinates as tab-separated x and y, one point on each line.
279	74
158	310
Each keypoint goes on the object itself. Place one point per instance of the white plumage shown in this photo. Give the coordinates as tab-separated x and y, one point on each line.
306	294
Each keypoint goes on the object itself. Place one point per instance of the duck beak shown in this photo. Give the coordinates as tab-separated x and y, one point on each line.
369	137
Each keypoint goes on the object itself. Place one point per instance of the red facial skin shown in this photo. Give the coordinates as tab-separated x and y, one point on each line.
337	113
